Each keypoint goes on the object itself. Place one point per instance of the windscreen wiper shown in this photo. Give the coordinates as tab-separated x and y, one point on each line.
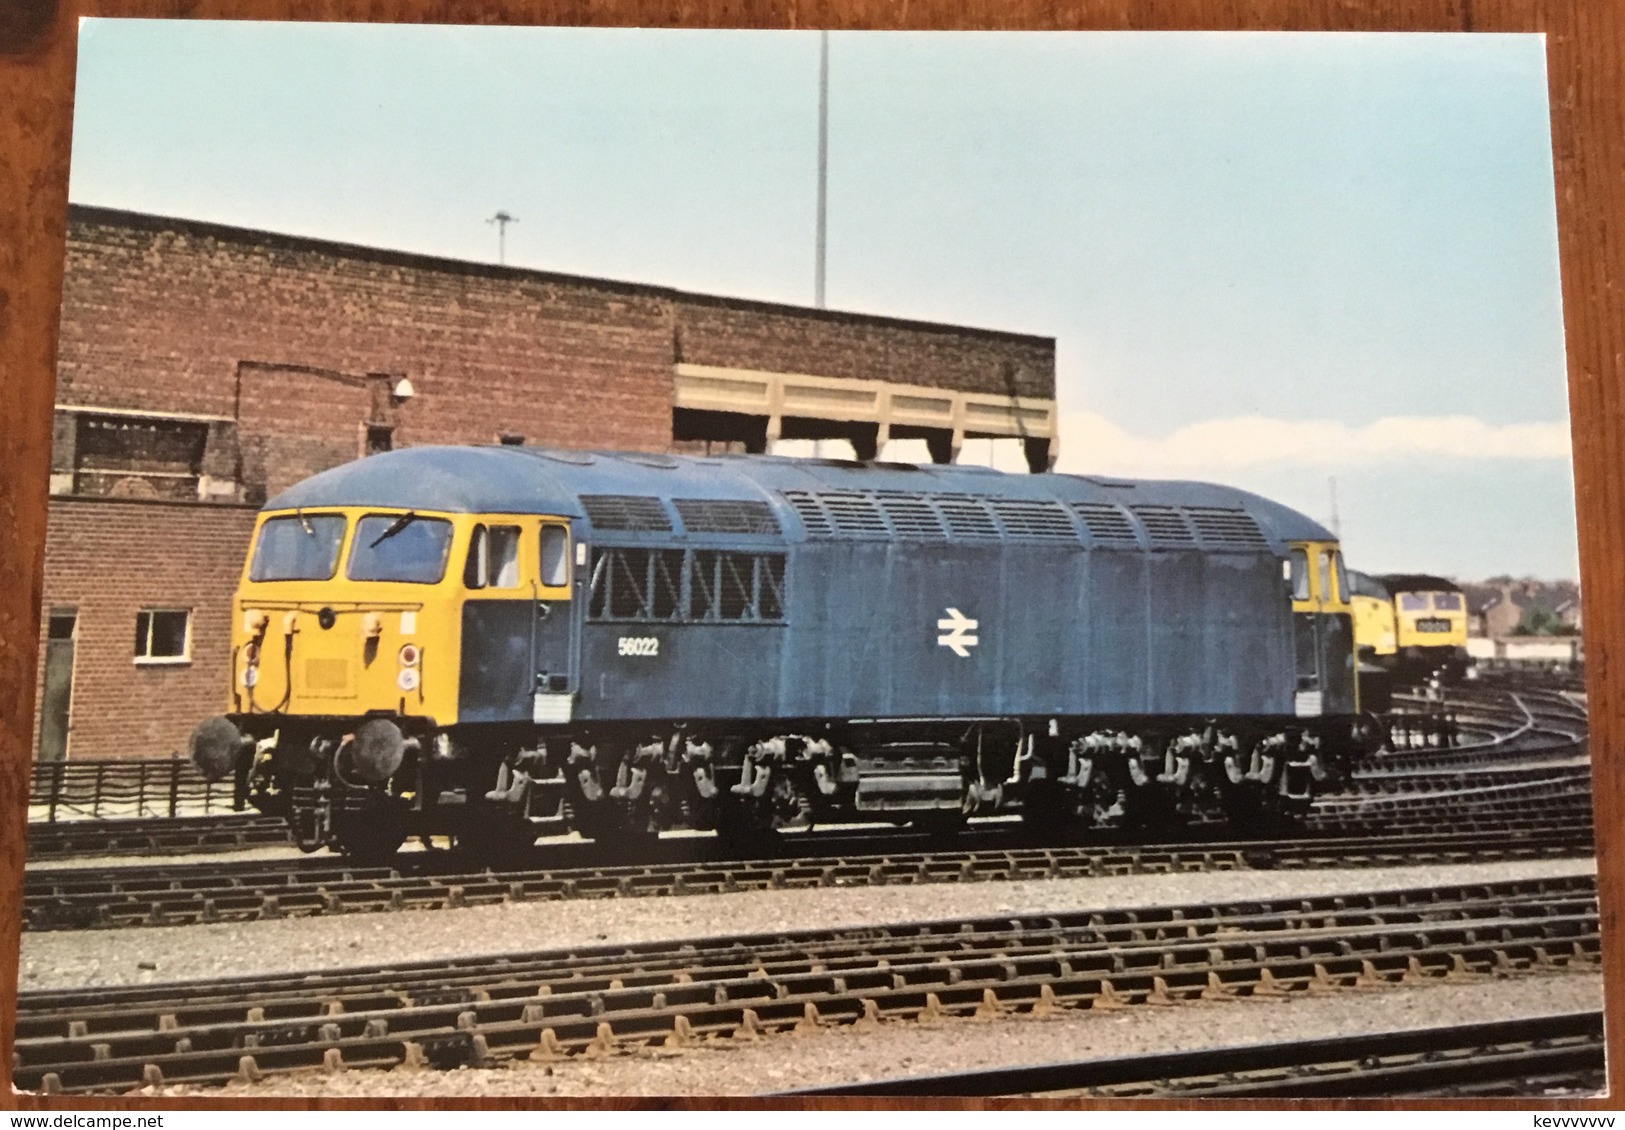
395	527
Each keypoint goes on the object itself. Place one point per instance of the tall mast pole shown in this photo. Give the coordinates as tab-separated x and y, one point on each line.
823	161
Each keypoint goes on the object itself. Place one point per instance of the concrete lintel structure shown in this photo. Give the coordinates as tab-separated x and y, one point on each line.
762	407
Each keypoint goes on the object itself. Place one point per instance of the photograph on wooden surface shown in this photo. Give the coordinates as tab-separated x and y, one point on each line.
612	562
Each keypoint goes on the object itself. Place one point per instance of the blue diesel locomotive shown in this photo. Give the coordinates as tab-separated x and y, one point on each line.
491	643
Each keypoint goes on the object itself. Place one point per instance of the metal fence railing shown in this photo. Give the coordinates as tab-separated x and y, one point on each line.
102	790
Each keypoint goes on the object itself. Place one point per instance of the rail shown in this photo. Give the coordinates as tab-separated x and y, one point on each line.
1492	1058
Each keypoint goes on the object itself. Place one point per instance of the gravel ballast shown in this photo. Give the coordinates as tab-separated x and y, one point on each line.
847	1054
138	955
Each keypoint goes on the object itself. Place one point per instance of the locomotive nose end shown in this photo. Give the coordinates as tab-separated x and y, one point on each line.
216	746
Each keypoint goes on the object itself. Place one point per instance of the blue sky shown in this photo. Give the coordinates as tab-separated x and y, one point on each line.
1266	259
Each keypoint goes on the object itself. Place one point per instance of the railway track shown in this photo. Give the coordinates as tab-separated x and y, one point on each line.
1470	800
1539	1055
238	891
161	835
480	1010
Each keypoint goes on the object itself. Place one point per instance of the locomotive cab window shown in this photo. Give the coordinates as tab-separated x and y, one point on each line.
400	547
493	558
1300	574
1341	576
1413	602
555	556
1325	556
1447	601
301	547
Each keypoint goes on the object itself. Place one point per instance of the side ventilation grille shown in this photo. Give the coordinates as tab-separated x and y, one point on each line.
726	516
625	512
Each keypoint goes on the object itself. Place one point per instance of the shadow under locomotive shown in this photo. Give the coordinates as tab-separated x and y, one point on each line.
497	643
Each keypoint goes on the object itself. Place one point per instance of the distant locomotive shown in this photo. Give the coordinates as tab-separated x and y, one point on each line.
1411	625
488	643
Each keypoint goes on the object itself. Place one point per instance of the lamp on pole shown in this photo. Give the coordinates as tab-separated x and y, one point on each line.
502	220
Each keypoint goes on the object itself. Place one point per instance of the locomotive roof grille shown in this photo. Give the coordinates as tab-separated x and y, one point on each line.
966	516
1166	526
630	499
1042	521
811	514
1108	524
626	512
930	517
912	516
1226	529
853	513
727	516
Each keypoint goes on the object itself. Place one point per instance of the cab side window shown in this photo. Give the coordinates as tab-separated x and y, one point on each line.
493	558
1325	575
555	556
1300	575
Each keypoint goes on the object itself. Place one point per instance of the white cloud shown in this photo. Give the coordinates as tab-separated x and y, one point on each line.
1091	443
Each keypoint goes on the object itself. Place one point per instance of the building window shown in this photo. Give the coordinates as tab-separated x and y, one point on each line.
163	635
61	624
511	439
135	457
380	438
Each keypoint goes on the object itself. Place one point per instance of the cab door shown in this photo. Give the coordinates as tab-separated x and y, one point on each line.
1307	700
556	643
518	638
498	621
1323	631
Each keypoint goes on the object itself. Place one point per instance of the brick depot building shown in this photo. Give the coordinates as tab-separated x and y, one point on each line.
204	368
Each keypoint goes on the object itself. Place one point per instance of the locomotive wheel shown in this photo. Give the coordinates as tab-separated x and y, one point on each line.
496	837
1253	811
742	835
607	822
1050	809
944	822
1149	807
598	821
784	805
374	839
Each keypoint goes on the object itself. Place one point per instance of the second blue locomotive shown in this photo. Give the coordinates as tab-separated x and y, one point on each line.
491	643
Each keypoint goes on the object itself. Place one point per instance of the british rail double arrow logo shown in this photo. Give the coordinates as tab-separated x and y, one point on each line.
956	631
